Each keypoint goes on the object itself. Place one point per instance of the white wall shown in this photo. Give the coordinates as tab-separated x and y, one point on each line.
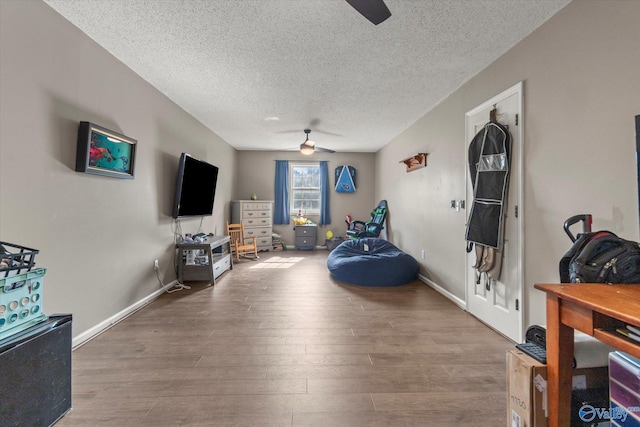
97	236
581	74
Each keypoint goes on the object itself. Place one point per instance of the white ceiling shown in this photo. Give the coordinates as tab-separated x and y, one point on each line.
258	72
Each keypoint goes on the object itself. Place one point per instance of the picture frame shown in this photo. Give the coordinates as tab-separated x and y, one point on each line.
101	151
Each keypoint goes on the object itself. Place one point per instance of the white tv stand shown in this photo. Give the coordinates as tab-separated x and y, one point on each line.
214	260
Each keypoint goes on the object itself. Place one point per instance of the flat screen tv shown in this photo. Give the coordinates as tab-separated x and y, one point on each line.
195	187
638	154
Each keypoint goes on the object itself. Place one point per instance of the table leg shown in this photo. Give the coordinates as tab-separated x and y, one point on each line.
559	341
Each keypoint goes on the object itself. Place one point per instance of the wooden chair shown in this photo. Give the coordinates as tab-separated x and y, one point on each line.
239	242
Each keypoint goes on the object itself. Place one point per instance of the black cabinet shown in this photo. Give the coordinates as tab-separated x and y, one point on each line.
35	374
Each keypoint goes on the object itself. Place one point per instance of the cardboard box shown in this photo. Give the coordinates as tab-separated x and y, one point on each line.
525	403
527	388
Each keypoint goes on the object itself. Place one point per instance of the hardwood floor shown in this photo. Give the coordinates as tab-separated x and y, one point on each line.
276	342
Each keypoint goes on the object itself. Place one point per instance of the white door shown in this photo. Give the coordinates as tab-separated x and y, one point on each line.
500	305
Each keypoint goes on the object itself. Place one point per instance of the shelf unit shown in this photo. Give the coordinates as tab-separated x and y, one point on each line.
211	258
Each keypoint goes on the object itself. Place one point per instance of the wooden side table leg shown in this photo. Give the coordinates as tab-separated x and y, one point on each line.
559	365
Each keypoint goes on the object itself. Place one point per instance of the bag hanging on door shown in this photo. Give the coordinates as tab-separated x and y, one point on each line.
489	162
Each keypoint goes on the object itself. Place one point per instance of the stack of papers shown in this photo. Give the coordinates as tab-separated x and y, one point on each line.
632	332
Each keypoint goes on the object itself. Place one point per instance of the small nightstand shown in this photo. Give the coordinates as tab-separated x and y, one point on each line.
305	237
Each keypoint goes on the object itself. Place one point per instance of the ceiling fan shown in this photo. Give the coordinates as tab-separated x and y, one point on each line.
374	10
309	147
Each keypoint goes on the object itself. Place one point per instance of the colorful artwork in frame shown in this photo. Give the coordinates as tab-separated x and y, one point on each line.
104	152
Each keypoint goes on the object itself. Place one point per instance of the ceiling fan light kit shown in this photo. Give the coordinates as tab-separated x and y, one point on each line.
309	147
306	149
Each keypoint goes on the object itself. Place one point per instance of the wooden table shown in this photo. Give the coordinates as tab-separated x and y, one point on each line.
595	309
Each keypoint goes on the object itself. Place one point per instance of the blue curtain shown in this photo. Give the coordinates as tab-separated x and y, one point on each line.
281	190
325	213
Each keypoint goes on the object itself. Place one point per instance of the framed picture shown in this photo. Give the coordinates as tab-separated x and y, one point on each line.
104	152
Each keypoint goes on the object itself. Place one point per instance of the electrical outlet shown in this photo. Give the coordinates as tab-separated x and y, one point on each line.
156	266
422	254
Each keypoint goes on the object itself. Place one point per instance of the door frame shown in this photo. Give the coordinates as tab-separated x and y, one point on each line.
517	90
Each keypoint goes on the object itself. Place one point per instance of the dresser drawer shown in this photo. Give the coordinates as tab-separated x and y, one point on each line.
306	230
264	243
221	264
256	206
256	222
259	232
305	243
249	215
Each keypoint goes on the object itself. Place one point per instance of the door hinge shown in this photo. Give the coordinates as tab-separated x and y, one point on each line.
517	119
517	304
516	211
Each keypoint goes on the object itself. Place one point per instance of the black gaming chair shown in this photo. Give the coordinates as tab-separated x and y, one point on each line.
358	229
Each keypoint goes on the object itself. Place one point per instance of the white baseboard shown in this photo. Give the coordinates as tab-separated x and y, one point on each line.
457	301
118	317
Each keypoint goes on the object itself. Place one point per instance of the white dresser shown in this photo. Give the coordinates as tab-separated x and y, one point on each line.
257	219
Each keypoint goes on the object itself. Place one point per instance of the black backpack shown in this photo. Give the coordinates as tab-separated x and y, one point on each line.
601	257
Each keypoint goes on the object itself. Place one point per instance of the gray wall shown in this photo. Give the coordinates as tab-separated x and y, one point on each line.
97	236
256	173
581	74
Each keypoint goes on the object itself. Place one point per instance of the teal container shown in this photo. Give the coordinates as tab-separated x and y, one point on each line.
21	301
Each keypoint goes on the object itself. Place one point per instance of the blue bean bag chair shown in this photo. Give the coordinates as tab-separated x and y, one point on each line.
371	262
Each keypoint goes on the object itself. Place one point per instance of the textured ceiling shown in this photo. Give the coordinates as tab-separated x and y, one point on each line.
258	72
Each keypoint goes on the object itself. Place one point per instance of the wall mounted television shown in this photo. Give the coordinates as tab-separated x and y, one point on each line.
638	155
195	187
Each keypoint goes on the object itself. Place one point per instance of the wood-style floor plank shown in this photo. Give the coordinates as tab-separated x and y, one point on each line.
276	342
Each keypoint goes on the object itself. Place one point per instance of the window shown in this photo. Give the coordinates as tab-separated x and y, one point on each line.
305	189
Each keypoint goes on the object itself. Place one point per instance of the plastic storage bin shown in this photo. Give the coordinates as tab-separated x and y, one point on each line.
16	259
624	389
21	301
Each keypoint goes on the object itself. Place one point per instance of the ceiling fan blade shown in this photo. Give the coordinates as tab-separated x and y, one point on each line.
374	10
324	150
